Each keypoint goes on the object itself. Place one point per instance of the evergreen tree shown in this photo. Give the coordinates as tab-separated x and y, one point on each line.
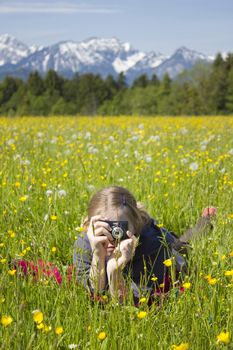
35	84
229	95
142	81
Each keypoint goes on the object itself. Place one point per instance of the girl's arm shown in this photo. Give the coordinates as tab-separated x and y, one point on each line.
115	265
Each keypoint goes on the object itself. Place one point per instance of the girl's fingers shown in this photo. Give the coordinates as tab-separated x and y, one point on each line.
101	231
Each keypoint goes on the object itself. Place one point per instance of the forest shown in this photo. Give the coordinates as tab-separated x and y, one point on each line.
206	89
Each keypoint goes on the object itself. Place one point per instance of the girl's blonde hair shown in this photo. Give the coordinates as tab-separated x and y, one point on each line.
116	197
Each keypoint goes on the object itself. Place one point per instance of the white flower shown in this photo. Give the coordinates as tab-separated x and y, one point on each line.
193	166
72	346
184	161
111	138
49	193
222	170
10	142
61	193
46	217
231	152
148	159
93	150
90	187
87	136
183	131
154	138
25	162
141	126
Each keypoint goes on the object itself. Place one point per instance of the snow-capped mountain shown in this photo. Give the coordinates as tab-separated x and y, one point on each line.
13	50
95	55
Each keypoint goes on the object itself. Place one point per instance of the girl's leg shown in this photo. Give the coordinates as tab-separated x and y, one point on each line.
202	227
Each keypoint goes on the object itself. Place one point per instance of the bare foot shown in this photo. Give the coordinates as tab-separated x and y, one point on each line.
209	211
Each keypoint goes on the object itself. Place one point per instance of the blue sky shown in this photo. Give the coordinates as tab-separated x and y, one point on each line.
149	25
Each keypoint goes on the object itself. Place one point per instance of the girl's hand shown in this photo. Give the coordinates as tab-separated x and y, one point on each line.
99	236
123	253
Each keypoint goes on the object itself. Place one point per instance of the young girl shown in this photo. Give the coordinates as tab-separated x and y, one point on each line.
102	262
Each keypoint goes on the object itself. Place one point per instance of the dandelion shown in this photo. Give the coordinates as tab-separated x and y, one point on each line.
193	166
223	337
141	314
187	285
6	320
11	272
53	249
102	336
59	330
49	193
212	281
61	193
72	346
47	329
228	273
40	325
53	217
142	300
182	346
37	316
17	184
168	262
154	279
23	198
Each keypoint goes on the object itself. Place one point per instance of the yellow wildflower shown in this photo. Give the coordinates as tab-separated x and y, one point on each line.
53	217
154	279
142	300
212	281
6	320
40	325
53	249
23	198
102	335
187	285
141	314
228	273
46	328
11	272
182	346
59	330
223	337
37	316
168	262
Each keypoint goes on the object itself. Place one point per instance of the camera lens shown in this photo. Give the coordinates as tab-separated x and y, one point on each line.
117	232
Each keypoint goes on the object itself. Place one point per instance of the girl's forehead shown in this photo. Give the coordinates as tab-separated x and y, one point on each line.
115	214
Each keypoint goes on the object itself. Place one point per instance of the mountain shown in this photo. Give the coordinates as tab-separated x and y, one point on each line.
95	55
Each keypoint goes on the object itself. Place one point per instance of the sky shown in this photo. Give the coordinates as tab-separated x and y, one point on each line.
150	25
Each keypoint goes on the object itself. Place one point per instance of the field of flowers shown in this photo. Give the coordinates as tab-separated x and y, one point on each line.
50	167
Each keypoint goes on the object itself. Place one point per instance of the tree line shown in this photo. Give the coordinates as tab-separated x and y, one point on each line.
206	89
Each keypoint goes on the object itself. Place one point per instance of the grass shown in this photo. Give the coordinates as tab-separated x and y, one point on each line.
153	158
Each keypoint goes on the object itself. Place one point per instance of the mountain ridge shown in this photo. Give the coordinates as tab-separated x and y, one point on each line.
104	56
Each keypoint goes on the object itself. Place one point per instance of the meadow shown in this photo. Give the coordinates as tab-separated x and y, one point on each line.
49	169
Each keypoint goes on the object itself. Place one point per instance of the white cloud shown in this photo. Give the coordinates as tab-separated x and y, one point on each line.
53	7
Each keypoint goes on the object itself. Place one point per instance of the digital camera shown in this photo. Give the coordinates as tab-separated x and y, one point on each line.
119	229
